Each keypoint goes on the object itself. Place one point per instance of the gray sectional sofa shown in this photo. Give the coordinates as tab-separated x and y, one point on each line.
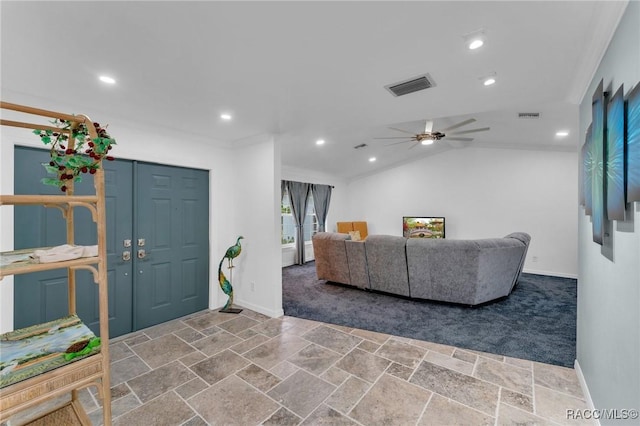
469	272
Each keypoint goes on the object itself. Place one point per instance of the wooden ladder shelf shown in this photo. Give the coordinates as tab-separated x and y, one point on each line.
91	369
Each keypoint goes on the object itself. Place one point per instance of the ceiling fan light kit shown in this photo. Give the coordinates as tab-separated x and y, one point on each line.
429	135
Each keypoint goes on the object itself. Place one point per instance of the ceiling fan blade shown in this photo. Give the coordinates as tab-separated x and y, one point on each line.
393	137
459	139
457	144
483	129
414	145
428	126
462	123
398	143
403	131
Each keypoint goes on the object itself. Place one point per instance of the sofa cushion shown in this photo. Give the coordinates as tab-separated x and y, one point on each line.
387	263
355	235
463	271
331	256
357	259
362	228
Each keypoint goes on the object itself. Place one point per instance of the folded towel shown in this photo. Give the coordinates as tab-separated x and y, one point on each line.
64	252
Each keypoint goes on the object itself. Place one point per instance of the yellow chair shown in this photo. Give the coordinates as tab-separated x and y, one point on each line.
349	227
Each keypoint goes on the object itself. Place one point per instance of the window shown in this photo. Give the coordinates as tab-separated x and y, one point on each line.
288	223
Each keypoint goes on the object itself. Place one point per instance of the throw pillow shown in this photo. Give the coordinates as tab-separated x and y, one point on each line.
355	235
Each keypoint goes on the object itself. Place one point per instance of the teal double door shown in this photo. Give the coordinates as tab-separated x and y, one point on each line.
157	245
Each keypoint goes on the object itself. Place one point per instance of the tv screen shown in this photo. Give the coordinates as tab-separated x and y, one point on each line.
423	227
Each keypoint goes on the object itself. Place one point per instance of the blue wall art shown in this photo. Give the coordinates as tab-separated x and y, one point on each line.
615	157
610	158
599	166
587	170
633	145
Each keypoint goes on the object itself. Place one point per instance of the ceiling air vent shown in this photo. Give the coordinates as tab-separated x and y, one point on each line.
362	145
412	85
534	115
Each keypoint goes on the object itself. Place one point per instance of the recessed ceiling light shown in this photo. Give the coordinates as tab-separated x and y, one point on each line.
320	142
562	133
474	44
372	159
489	81
474	39
225	117
107	79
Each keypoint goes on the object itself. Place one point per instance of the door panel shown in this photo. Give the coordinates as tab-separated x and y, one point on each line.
171	213
43	296
172	206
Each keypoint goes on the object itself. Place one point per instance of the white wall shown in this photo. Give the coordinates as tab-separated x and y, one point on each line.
482	193
137	141
257	279
608	346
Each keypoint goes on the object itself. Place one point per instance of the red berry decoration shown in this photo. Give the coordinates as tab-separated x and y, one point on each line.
85	156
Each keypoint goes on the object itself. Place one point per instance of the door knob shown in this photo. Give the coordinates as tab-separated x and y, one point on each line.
142	254
126	255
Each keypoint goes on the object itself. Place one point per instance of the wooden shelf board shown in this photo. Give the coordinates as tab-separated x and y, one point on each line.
46	199
28	266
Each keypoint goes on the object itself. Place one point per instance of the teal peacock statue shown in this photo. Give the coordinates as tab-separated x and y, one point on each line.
231	253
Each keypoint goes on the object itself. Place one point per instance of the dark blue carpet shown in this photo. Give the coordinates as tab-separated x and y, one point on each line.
536	322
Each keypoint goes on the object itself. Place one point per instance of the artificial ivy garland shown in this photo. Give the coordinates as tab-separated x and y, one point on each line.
70	163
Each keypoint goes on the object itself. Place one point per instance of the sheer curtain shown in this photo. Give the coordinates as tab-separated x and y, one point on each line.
321	200
298	196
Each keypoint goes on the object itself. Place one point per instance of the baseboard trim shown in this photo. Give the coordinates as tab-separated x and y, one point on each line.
260	309
585	390
550	274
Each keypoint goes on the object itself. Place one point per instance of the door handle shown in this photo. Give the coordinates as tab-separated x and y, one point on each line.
126	255
142	254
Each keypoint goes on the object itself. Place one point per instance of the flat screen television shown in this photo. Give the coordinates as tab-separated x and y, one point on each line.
423	227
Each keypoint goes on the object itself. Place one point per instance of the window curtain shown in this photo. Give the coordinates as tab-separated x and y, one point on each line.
321	200
298	196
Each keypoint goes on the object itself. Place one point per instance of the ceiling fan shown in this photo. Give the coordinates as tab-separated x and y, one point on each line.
429	135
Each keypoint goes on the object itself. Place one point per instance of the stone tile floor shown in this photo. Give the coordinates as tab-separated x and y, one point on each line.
214	368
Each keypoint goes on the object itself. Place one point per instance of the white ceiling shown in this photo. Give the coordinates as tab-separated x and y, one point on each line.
308	70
